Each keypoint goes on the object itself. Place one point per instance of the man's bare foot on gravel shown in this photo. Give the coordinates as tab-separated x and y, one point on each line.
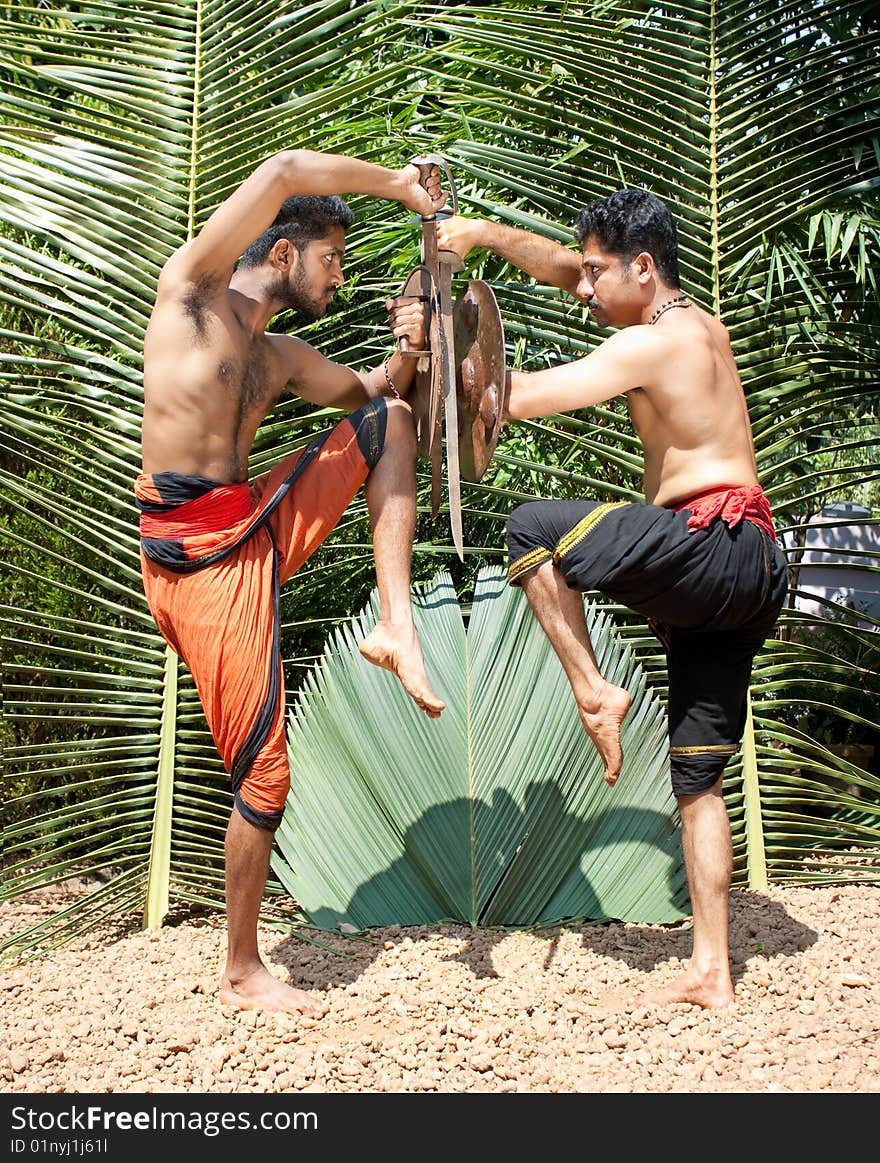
712	991
261	991
603	722
399	651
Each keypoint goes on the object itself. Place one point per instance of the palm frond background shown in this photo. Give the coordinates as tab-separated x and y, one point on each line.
125	124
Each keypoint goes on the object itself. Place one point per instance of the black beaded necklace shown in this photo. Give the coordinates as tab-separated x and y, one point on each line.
678	301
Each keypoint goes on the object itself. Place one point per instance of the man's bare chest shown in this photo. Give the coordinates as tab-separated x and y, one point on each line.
248	374
240	368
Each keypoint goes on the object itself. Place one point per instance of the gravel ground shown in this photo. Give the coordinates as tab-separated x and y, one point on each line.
450	1009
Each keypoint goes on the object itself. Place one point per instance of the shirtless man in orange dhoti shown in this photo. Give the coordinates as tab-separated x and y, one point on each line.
699	558
215	545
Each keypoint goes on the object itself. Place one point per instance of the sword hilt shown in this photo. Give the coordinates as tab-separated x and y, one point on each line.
423	163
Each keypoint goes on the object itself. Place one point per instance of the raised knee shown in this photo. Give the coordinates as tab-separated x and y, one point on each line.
397	407
520	519
399	428
401	422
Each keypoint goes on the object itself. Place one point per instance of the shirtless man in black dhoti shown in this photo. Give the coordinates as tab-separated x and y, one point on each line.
699	558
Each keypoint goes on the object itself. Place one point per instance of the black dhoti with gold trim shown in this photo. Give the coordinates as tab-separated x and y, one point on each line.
711	594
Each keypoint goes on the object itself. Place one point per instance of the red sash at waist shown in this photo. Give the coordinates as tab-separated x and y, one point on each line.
215	511
733	503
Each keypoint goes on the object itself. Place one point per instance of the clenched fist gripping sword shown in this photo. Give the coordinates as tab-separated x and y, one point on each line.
461	377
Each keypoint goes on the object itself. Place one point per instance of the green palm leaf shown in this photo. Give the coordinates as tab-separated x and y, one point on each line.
124	126
495	814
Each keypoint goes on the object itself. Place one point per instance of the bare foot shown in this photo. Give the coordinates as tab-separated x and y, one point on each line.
712	992
399	651
603	724
261	991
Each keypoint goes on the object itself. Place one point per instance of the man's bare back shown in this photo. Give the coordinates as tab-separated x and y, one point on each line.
683	393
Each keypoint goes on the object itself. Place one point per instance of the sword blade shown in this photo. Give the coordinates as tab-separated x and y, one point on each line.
431	262
450	406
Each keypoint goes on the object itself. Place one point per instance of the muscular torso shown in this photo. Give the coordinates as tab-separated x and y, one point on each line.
208	384
691	416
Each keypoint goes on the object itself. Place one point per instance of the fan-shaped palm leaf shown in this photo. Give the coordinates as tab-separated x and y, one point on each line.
494	814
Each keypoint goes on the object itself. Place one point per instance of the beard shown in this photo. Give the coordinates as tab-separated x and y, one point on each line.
295	296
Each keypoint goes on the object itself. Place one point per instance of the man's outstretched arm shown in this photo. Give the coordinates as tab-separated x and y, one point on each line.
624	361
542	258
254	205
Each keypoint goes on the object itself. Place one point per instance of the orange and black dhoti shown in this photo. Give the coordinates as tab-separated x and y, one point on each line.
213	559
710	577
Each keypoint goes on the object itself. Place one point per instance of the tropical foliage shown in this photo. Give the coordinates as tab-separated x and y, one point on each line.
125	123
494	814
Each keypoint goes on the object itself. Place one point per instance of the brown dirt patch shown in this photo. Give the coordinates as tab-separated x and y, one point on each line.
451	1009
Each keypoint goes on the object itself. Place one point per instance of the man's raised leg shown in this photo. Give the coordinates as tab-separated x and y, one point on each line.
602	705
391	500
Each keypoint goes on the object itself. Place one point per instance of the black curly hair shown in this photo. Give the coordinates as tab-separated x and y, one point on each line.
301	219
628	222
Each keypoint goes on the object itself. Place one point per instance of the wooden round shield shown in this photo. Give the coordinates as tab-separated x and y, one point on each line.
481	379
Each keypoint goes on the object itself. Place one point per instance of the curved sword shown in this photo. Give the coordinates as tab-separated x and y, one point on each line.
441	264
